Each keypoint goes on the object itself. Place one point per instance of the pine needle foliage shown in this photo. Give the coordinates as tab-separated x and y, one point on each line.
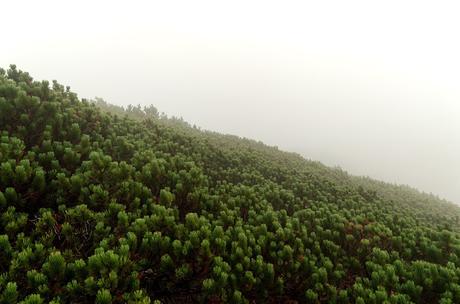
102	204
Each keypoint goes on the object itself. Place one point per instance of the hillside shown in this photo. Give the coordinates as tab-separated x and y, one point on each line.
107	205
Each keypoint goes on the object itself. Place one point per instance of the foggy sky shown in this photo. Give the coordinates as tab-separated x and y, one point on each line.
372	88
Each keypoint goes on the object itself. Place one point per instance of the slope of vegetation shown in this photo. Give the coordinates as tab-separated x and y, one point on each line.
106	205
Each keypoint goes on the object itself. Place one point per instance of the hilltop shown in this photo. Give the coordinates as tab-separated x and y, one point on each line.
110	205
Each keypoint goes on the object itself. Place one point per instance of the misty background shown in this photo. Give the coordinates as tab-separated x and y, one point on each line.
370	87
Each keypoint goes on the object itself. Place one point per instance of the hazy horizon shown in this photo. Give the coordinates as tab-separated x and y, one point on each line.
372	88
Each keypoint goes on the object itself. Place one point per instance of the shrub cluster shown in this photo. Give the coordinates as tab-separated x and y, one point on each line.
110	205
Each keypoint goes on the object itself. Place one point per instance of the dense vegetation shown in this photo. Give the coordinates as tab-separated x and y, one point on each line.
110	205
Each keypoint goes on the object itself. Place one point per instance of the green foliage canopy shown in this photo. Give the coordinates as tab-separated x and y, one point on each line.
110	205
